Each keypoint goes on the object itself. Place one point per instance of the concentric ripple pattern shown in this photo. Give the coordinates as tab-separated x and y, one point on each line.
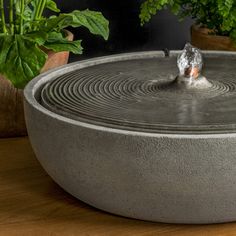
140	95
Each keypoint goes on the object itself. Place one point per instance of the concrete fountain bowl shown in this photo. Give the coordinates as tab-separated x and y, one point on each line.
123	135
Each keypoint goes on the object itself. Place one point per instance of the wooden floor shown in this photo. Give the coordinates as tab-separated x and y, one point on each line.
32	204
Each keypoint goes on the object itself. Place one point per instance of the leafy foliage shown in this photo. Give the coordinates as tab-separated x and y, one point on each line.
26	33
20	58
217	15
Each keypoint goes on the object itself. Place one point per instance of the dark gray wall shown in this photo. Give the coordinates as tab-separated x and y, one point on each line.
165	31
126	34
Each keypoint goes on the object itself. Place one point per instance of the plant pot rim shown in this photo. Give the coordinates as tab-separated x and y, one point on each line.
206	31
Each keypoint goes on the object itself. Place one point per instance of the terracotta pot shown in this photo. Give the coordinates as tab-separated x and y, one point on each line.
201	38
12	121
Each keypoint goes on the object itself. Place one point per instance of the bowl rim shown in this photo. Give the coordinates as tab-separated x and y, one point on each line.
32	87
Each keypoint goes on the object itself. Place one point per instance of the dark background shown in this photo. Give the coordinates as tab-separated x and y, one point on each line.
126	34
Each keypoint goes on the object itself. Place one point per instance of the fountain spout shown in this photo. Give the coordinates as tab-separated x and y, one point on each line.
190	64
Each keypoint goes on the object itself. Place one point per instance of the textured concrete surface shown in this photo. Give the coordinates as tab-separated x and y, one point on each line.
176	178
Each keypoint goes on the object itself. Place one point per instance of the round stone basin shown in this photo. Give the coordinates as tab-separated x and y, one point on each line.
117	133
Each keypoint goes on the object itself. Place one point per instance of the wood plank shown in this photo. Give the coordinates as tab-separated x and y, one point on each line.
32	204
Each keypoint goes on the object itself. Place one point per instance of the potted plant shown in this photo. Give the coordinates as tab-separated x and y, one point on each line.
31	43
215	27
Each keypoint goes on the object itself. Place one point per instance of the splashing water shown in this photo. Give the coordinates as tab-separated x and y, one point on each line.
190	64
190	61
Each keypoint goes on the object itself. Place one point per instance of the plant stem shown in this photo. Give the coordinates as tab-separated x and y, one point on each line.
4	28
22	8
42	8
36	11
11	16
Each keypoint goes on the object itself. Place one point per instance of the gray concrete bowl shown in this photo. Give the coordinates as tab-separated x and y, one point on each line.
162	177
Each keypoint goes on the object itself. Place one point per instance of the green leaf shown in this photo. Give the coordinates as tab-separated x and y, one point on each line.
218	15
150	7
27	9
20	59
60	46
175	8
95	22
58	43
51	5
22	56
55	23
39	37
224	7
